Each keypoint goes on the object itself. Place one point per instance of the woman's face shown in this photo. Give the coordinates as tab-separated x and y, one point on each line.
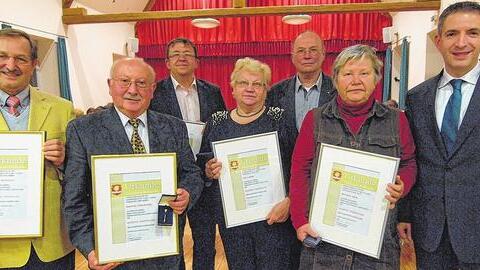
356	81
249	90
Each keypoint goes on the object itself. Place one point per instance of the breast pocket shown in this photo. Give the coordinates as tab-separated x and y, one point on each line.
384	145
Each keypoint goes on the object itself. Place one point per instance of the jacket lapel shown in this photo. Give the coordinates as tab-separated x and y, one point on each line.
430	115
153	136
471	118
39	109
202	100
116	132
172	101
288	102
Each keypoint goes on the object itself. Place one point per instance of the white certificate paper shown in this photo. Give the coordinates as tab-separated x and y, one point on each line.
348	207
127	190
195	132
21	184
251	180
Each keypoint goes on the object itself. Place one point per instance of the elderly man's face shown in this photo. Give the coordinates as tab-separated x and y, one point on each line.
308	53
131	87
459	42
181	60
16	65
356	81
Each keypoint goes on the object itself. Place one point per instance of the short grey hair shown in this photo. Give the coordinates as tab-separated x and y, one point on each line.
151	71
358	52
465	7
254	66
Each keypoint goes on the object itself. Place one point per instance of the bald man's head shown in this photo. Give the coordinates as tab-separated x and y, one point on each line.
308	53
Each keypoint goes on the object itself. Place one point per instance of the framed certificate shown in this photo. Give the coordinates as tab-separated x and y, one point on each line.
251	180
195	132
348	207
21	183
126	193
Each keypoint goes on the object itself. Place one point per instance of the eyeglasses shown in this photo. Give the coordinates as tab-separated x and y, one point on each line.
175	56
245	84
18	60
312	51
126	83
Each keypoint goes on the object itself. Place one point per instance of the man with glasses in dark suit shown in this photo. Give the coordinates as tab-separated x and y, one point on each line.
183	95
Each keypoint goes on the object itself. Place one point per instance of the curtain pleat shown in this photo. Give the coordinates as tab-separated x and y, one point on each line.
387	74
403	88
63	76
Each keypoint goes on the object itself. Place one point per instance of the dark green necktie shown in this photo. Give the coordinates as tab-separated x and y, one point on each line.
451	116
137	144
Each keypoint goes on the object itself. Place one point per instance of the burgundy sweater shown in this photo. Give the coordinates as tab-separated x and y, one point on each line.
304	153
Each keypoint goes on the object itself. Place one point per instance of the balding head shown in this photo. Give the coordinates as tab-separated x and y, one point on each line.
131	83
308	53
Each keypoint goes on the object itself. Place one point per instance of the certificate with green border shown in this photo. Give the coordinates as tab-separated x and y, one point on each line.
126	192
251	180
348	207
21	183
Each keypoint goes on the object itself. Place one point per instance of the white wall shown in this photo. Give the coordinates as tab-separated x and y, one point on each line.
89	46
415	25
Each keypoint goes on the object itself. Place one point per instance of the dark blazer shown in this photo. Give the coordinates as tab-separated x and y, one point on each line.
446	191
102	133
165	100
282	95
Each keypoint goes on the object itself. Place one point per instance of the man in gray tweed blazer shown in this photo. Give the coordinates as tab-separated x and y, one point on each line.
109	132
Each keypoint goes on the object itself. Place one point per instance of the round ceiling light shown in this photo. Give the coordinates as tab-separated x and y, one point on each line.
296	19
205	23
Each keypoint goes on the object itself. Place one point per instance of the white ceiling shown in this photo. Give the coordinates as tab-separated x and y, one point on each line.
115	6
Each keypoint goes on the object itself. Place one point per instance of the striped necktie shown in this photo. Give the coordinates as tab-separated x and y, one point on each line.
13	102
136	141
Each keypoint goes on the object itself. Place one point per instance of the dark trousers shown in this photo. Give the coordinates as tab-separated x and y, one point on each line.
442	258
67	262
257	246
163	263
203	221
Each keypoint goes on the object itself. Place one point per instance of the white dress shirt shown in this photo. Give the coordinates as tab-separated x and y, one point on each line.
142	128
188	100
445	90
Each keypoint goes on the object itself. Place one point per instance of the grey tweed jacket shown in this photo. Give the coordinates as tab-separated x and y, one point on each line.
102	133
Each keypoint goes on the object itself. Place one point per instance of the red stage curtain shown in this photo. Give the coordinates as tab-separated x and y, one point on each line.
264	38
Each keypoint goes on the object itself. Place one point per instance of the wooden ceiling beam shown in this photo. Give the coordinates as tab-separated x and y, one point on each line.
69	18
67	3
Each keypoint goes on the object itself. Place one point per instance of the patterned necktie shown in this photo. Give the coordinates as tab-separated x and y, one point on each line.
452	115
137	144
13	102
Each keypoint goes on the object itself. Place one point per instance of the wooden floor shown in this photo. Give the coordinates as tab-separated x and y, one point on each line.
220	261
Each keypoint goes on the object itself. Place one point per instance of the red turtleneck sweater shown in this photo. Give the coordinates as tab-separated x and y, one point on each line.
304	152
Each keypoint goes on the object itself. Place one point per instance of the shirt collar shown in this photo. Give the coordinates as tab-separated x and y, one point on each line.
176	84
22	96
470	77
124	118
318	83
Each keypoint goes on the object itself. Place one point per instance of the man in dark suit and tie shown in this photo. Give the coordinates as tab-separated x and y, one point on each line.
308	89
181	94
443	206
125	128
191	99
